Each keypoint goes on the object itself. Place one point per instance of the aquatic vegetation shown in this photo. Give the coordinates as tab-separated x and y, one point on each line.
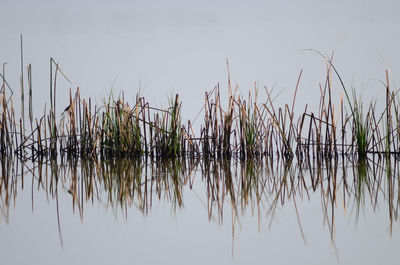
242	128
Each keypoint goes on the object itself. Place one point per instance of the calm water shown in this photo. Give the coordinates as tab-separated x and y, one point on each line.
83	213
199	212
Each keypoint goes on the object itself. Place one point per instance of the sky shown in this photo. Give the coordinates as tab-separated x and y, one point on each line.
160	48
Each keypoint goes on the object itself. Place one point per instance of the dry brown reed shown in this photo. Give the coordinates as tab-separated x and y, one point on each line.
244	128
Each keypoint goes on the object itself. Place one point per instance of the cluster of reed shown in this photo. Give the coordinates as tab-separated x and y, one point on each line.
114	129
244	129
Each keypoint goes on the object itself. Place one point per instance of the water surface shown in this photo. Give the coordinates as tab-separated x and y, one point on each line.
199	211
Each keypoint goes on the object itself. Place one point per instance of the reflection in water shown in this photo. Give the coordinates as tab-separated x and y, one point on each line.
259	186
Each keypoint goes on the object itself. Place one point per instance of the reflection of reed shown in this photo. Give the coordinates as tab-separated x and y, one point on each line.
7	189
257	186
126	182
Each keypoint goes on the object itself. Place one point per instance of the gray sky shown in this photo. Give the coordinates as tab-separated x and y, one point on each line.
167	47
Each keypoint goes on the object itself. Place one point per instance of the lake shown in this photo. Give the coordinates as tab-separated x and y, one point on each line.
199	211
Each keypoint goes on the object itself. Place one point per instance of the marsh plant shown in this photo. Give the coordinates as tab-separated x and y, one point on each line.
243	127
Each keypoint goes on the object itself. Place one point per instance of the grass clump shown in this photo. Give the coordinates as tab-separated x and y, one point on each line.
168	131
360	127
120	131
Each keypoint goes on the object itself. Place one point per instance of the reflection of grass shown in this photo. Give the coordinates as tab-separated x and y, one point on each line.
361	181
262	188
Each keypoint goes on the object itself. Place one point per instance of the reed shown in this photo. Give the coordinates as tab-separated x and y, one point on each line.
250	127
